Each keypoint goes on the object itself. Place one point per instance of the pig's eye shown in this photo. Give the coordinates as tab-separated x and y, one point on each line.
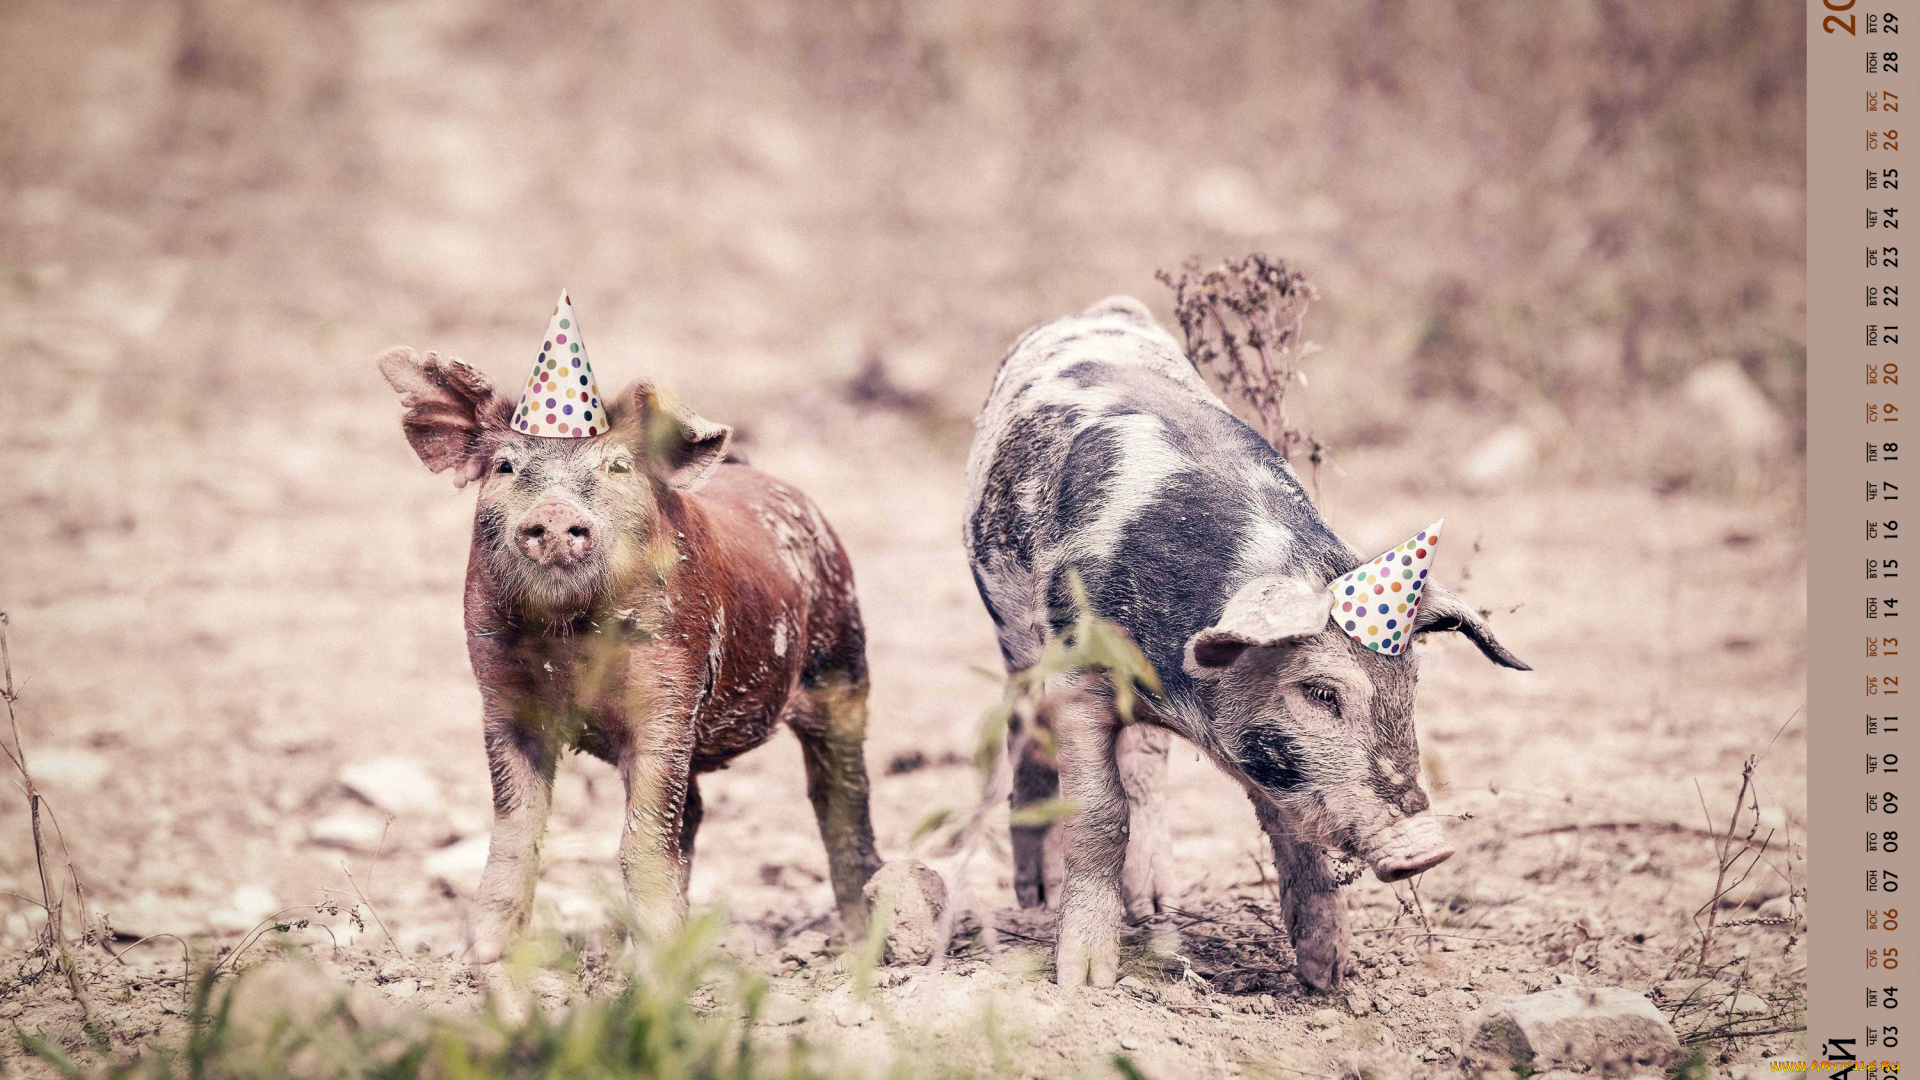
619	467
1319	692
505	466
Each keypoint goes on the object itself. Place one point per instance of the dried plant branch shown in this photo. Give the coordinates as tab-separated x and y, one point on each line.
54	929
1242	323
373	865
1729	849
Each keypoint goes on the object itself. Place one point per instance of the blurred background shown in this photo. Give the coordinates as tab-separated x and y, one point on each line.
1560	253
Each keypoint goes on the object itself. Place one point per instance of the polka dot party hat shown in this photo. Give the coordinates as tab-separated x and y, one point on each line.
561	400
1375	603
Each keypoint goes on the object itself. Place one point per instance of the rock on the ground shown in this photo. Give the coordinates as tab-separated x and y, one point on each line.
1574	1026
353	830
149	914
401	786
69	768
1732	403
914	896
804	946
458	866
1503	458
781	1009
246	908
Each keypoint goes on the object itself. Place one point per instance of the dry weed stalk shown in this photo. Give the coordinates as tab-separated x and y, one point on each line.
1729	849
1242	323
53	905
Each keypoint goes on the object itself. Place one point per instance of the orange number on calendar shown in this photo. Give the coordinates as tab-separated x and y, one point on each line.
1832	21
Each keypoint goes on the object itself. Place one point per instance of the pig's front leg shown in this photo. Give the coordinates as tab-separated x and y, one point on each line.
522	763
1086	732
654	861
1310	902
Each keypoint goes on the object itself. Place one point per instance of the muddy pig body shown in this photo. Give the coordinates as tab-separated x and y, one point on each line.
640	597
1102	452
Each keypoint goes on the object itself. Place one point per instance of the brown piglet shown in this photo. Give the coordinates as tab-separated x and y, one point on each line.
643	598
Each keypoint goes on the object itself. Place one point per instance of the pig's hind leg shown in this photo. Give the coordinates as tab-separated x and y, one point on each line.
1143	752
1310	902
831	723
1035	780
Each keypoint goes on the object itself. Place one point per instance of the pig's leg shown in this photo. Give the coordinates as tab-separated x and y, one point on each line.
832	728
1086	732
690	816
1143	755
658	767
1035	780
522	765
1310	901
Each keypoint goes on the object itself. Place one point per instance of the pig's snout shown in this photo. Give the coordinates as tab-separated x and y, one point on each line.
556	533
1409	846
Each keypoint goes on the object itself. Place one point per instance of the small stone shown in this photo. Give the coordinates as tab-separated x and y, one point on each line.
1134	983
401	786
1266	1004
1128	1042
149	913
852	1012
913	897
404	988
353	830
1747	1003
1502	459
804	946
1358	1003
395	970
69	768
11	1009
1602	1026
458	866
1324	1018
781	1009
247	907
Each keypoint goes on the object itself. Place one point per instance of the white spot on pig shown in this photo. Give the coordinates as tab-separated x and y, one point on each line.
1146	462
1388	771
780	639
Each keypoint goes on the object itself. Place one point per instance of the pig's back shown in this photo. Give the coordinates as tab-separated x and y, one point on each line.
1101	450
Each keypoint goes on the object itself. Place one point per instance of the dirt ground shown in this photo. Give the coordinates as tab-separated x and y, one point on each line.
235	594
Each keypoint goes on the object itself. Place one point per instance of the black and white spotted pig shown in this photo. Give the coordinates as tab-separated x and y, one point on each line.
1101	450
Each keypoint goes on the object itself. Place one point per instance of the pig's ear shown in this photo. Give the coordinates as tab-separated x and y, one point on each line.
447	403
1266	611
1442	610
681	447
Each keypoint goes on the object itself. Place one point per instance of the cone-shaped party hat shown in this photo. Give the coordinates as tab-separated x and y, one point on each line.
561	400
1375	603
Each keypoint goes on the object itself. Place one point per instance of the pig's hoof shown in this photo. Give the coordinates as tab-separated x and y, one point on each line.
1320	968
1087	963
485	949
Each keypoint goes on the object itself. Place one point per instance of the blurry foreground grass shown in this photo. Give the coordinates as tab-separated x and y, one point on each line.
686	1011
